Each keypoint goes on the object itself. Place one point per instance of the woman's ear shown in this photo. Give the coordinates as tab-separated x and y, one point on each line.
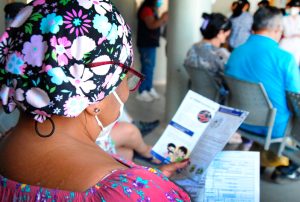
220	34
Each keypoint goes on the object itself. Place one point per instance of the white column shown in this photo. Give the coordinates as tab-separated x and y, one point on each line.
183	31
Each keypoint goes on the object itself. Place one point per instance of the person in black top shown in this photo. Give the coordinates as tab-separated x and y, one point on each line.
149	24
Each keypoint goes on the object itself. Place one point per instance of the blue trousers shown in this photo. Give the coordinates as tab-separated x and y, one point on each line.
147	57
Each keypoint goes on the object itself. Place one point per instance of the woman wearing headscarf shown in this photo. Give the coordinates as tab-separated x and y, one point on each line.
241	21
66	65
291	30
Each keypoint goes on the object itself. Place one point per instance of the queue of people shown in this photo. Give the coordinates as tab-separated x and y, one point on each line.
255	56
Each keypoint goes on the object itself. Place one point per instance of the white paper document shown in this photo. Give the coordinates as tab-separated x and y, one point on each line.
185	129
225	122
199	130
233	176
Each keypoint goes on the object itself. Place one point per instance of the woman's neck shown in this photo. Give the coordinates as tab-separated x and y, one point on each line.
78	128
215	42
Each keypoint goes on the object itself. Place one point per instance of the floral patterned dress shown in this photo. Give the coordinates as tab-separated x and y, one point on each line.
137	183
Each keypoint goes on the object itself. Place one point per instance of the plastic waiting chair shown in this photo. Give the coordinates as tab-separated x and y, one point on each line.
253	98
7	121
293	152
203	83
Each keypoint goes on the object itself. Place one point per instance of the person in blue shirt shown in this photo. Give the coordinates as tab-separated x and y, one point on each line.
261	59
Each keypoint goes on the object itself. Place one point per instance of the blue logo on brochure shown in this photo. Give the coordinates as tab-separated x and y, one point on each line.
181	128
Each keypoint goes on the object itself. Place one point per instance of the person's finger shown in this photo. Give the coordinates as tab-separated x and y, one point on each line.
170	169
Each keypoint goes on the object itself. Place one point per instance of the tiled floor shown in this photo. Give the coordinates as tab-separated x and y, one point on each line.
269	192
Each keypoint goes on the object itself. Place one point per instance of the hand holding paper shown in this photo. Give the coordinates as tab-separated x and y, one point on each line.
170	169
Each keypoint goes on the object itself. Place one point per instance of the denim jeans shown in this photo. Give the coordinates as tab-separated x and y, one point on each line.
147	57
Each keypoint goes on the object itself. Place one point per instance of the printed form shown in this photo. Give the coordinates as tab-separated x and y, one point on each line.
233	176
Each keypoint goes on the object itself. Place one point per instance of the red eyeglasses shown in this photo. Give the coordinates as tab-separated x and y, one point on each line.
134	78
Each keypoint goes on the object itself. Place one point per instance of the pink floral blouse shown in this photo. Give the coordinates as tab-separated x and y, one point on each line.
137	183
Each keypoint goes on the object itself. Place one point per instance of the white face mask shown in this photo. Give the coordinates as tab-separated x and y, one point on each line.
107	129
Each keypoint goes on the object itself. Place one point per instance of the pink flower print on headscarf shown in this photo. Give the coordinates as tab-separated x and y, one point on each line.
4	37
126	51
6	47
82	79
37	98
40	116
62	49
15	64
112	79
107	79
75	105
100	6
38	2
77	22
34	51
122	28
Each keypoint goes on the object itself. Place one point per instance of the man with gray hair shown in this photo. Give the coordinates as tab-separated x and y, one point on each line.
261	59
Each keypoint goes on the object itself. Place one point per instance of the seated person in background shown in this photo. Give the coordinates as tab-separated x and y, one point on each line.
208	53
260	59
241	21
126	140
51	154
145	127
291	30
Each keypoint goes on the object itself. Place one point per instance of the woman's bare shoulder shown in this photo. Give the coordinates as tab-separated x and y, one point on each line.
65	165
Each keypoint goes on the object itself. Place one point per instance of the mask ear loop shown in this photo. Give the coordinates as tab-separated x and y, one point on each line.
99	122
42	135
97	119
118	98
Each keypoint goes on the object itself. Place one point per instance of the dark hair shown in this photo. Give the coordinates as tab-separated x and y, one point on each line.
183	149
238	10
12	9
147	3
264	3
171	145
265	18
235	3
213	24
294	3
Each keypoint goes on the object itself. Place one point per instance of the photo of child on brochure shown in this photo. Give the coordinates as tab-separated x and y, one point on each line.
176	154
185	129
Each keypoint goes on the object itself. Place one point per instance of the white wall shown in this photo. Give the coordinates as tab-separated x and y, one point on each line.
183	31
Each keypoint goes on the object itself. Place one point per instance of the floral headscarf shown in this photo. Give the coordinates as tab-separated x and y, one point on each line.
44	56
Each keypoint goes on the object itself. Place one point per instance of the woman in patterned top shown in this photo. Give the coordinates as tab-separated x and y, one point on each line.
66	65
242	22
208	53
